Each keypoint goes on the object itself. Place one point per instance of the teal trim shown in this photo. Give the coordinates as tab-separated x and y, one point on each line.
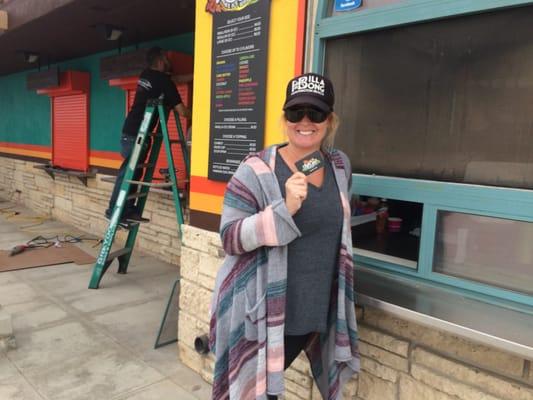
26	115
384	265
507	202
497	202
427	241
406	12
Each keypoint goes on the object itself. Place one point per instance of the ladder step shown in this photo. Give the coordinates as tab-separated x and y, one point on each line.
174	141
118	253
136	196
169	192
155	185
143	166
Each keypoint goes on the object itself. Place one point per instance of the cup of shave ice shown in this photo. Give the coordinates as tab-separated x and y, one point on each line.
395	224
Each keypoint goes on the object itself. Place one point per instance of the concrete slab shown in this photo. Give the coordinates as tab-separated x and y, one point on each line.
129	328
191	382
76	281
16	292
41	349
13	386
51	271
161	390
76	343
27	316
101	375
8	277
159	285
107	297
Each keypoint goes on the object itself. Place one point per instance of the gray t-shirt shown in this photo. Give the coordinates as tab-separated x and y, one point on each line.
312	257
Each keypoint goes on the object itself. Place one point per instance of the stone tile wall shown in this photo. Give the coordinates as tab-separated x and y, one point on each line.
68	200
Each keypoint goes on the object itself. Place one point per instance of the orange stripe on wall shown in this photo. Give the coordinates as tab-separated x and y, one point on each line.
28	150
109	155
107	159
199	184
300	37
104	162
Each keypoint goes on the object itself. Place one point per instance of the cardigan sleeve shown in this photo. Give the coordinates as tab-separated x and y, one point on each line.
247	223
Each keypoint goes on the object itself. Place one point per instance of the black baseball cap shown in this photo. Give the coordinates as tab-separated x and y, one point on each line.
310	89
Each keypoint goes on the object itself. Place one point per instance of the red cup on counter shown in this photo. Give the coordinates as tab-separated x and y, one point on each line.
395	224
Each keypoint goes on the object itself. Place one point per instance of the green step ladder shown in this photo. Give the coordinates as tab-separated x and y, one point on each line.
154	109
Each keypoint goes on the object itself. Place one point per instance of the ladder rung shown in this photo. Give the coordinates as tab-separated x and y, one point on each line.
143	166
173	141
155	185
169	192
118	253
136	196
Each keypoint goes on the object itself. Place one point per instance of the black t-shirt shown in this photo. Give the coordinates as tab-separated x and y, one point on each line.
151	85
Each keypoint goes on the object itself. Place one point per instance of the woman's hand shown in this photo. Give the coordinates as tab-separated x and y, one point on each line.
295	192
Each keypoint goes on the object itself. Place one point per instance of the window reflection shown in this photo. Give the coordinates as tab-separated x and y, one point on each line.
490	250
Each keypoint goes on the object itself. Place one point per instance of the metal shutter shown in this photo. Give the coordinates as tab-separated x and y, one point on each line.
185	91
70	126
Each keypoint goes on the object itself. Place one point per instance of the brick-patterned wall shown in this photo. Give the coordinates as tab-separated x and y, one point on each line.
400	360
68	200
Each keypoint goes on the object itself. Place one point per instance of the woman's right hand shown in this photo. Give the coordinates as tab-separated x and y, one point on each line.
295	192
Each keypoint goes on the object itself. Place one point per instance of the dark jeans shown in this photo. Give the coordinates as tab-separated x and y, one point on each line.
127	143
293	346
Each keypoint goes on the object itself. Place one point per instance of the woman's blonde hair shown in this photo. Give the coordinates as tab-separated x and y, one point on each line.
329	139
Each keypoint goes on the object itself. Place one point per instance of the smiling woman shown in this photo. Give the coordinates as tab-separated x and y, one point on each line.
285	230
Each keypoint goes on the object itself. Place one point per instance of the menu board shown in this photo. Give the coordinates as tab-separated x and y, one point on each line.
238	81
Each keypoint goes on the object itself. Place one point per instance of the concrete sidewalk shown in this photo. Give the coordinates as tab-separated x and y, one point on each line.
74	343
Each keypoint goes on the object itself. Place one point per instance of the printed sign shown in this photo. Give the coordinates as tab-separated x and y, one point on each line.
238	85
347	5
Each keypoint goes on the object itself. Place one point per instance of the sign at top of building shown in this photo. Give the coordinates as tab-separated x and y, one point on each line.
347	5
215	6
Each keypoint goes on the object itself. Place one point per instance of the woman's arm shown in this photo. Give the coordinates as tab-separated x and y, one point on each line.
247	223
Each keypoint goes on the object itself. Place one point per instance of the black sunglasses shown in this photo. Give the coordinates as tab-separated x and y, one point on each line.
296	114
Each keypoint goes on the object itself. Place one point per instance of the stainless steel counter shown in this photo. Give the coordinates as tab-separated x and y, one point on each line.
504	328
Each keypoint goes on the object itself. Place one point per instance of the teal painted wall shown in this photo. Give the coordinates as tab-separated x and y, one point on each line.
25	116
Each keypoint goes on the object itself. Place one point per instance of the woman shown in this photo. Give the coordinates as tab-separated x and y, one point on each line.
286	283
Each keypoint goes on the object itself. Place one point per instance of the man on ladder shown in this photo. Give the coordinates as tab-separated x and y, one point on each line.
153	82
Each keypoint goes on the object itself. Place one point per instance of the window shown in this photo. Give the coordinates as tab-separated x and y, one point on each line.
435	107
489	250
387	230
447	100
476	239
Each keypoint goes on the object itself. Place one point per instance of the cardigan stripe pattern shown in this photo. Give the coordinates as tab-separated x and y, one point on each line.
248	308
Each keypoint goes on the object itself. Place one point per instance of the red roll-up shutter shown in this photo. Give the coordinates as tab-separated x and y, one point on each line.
130	96
70	132
179	163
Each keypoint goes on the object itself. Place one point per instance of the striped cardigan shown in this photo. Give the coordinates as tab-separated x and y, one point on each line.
248	308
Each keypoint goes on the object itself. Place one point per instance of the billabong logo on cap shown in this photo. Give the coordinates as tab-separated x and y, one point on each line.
308	84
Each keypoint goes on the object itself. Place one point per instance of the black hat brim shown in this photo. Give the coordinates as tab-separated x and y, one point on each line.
308	100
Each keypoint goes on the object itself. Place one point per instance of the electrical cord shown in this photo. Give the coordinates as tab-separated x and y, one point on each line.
57	240
46	242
